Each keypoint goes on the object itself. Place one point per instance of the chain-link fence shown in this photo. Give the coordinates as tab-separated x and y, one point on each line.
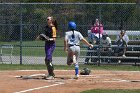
22	22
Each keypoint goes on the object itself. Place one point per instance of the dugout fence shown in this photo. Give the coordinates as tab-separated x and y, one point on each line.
22	22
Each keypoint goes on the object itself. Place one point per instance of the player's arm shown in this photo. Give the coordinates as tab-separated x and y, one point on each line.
37	38
87	43
65	43
42	37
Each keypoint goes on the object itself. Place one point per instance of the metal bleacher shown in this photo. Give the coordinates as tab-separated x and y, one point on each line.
132	53
6	51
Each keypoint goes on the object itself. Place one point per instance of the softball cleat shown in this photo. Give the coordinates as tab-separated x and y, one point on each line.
49	77
76	76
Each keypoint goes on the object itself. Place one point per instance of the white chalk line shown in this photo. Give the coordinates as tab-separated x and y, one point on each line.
32	89
116	80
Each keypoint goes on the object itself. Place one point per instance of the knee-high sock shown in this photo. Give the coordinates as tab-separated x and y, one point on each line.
50	67
76	68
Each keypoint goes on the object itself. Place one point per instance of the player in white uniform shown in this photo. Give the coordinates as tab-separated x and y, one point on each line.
72	45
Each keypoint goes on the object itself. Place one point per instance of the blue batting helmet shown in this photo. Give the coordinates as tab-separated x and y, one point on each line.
72	25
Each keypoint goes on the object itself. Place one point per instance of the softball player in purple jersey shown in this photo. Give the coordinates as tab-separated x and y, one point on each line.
50	31
72	46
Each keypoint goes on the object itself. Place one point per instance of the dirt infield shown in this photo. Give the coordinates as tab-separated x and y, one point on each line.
64	82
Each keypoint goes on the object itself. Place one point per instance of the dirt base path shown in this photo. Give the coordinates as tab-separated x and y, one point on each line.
64	82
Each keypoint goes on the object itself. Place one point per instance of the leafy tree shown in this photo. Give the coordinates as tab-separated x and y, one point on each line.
29	1
55	1
111	1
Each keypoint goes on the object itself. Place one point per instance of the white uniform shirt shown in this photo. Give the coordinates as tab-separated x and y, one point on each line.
73	41
106	42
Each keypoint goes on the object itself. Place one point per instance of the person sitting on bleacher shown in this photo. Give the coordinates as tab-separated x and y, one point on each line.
105	42
93	37
105	48
97	30
122	42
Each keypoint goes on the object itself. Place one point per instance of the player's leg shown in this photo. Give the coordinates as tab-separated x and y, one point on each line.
50	67
71	52
76	70
77	53
48	61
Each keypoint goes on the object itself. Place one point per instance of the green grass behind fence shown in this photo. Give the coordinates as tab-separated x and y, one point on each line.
36	48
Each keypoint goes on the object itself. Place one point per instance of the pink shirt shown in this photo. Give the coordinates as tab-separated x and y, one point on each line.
95	28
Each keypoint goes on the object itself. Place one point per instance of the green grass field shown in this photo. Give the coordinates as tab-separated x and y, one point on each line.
112	91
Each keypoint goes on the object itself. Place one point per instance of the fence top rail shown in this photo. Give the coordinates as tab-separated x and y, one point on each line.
96	46
76	3
116	32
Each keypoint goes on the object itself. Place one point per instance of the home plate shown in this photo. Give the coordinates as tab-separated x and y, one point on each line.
34	76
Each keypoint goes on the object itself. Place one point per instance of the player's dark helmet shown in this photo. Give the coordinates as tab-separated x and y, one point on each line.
85	71
72	25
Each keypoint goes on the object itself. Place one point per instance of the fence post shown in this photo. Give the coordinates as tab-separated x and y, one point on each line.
21	32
